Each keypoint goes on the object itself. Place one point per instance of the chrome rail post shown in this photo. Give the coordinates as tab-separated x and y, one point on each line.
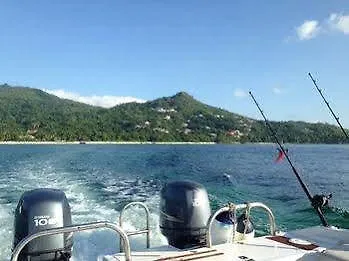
248	207
232	207
267	209
144	231
74	228
247	215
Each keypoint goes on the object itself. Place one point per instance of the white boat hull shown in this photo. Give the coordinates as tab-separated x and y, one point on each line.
329	244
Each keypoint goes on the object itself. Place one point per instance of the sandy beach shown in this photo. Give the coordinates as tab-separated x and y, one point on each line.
93	142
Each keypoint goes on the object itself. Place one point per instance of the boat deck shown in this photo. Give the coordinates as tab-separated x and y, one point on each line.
326	244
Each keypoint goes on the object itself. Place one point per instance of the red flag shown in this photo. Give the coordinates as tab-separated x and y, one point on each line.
280	156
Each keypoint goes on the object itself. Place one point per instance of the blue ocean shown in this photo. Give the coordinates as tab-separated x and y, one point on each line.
100	179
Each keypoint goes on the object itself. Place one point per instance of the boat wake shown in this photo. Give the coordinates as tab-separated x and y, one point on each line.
90	201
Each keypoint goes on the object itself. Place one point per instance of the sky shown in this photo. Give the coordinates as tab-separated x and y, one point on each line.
108	52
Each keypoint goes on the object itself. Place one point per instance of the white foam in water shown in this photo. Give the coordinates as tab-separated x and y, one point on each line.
86	207
6	222
90	245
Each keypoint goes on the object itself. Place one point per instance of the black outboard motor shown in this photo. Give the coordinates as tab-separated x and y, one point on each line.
184	213
41	209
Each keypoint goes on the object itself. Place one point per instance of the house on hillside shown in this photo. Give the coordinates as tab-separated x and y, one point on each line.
235	133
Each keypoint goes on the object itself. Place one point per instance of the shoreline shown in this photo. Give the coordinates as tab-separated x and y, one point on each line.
96	142
145	143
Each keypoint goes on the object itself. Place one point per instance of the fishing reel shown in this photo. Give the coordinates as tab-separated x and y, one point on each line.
320	201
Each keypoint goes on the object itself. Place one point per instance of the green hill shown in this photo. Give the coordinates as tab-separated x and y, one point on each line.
28	114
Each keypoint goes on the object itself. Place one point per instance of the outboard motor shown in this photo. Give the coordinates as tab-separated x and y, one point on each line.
41	209
184	213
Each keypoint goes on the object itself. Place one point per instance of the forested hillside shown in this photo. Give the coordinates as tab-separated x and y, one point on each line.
28	114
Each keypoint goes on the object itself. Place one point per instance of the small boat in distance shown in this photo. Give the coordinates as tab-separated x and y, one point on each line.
81	141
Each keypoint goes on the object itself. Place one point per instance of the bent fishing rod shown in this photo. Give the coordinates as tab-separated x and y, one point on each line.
304	187
329	107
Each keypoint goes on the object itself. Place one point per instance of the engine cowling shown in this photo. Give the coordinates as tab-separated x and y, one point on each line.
38	210
184	212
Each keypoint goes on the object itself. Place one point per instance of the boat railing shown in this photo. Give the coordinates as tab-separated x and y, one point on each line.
137	232
234	208
71	229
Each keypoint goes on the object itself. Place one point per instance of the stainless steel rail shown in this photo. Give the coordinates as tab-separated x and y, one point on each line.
143	231
74	228
234	208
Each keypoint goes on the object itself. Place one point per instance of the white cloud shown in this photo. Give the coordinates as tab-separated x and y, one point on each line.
312	28
277	90
339	23
308	30
239	93
102	101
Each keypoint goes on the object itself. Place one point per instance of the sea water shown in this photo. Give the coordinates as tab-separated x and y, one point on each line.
100	179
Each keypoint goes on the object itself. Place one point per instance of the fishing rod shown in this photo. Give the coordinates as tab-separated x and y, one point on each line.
313	200
329	107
